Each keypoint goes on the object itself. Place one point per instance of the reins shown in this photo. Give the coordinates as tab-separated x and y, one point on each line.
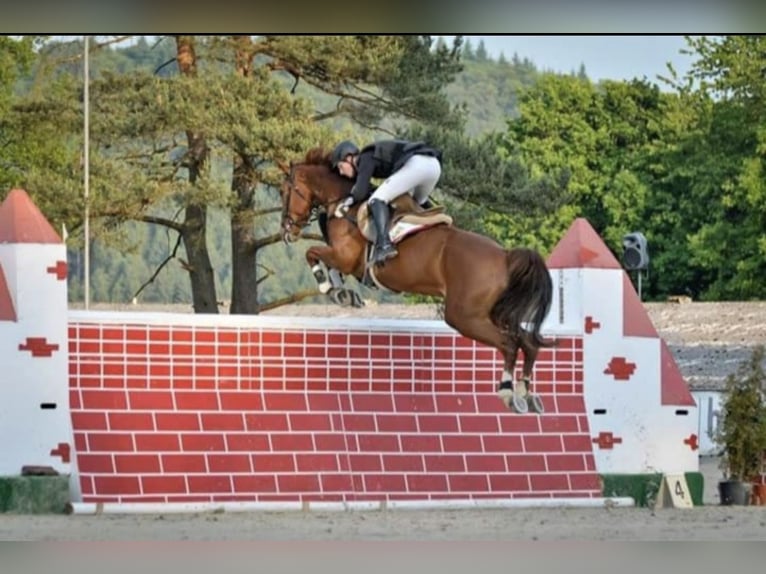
316	207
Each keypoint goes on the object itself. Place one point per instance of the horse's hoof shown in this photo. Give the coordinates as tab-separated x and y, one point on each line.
356	299
340	297
535	404
519	404
346	297
513	401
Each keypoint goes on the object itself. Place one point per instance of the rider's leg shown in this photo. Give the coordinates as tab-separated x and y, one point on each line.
430	171
417	172
381	214
398	183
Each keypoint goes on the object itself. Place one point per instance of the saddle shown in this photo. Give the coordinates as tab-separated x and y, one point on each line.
407	218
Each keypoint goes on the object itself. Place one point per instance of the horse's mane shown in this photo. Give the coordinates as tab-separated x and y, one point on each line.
318	156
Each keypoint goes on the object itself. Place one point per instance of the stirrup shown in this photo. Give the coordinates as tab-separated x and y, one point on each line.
426	205
383	253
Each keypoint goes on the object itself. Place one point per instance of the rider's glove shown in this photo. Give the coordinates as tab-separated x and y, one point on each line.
343	207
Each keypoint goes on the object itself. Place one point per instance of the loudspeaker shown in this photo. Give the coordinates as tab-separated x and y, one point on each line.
635	254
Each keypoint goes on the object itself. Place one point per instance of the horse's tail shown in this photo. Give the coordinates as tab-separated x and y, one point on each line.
526	299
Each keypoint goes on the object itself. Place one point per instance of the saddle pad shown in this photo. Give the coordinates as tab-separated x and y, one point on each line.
402	224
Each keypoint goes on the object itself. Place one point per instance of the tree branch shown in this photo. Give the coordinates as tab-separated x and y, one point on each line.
294	298
257	244
161	266
267	211
321	116
170	61
269	273
79	56
169	223
115	40
375	127
174	225
320	80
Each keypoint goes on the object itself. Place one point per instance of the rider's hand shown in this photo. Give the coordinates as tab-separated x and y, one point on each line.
343	207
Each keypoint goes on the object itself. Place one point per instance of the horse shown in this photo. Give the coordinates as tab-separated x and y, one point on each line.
495	296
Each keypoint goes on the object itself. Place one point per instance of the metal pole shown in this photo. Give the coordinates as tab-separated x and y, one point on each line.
86	162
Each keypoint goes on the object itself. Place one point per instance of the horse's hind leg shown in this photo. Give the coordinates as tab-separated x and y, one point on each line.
483	330
530	356
512	394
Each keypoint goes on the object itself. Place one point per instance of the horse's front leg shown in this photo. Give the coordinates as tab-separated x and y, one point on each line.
330	281
344	260
315	256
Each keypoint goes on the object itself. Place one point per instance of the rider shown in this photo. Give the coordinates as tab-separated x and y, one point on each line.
412	167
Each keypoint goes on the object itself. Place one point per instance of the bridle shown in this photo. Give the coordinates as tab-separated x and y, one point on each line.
288	220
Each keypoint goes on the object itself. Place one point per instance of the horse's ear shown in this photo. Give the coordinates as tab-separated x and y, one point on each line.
283	166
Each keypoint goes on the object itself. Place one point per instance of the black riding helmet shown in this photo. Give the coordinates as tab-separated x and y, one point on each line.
341	150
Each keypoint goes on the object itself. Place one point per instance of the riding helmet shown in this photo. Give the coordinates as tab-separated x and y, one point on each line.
341	150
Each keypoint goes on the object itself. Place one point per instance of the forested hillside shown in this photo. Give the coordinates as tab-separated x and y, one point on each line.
489	88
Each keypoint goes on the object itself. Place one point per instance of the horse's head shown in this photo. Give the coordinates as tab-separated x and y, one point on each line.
299	204
308	187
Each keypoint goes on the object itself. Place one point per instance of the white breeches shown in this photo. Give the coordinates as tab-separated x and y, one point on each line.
418	177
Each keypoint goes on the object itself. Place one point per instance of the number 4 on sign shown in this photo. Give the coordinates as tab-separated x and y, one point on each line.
674	492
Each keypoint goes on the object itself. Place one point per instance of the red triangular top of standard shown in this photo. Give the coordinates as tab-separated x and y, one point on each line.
22	222
581	247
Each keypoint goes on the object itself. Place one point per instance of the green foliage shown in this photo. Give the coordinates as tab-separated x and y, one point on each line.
477	172
706	209
729	244
15	58
487	187
42	156
369	77
594	135
742	431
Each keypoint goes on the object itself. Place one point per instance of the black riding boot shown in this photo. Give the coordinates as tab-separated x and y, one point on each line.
384	249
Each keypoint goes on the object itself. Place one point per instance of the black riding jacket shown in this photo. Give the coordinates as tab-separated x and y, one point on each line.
383	158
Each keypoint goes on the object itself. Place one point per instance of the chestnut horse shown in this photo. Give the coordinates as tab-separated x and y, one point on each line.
495	296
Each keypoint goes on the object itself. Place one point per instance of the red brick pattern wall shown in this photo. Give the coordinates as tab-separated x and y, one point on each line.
213	414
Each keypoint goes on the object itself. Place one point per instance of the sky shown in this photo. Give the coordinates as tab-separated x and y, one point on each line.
604	57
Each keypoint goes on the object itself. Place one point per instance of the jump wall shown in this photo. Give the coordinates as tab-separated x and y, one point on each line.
168	408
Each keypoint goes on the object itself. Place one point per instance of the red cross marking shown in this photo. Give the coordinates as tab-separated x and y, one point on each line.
591	325
606	440
620	368
59	270
63	450
38	346
692	441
